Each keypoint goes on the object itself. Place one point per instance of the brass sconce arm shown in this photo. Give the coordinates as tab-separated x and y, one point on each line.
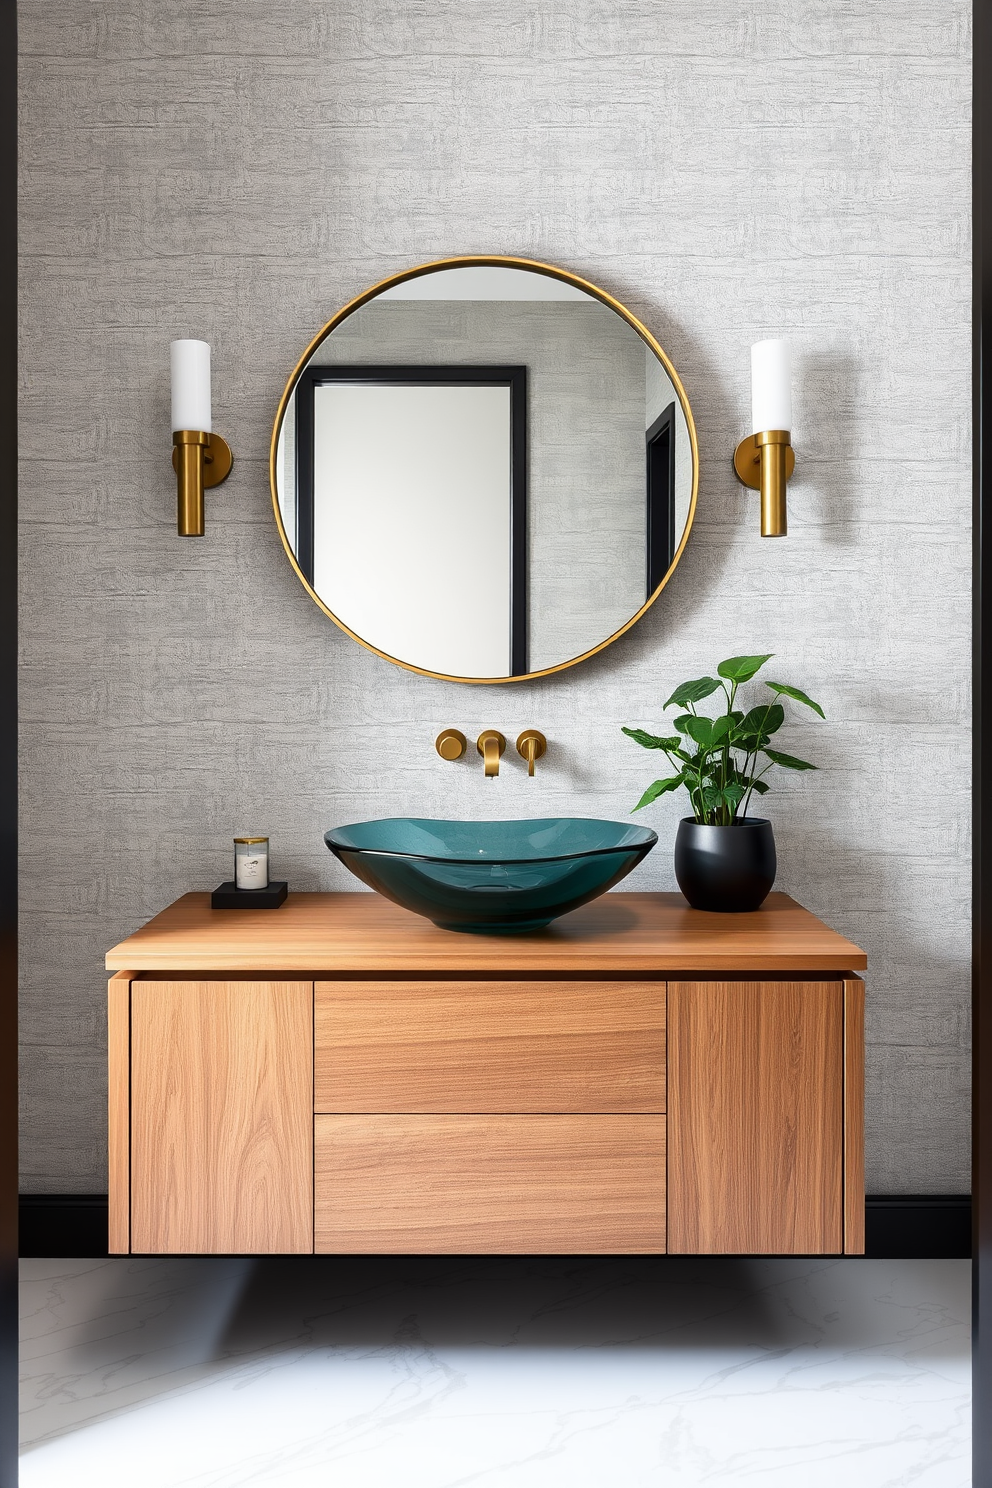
765	462
199	460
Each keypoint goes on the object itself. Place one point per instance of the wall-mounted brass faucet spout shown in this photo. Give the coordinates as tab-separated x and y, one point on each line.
491	745
531	745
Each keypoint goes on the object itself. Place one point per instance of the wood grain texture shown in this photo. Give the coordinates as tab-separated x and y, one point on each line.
854	1116
617	934
119	1113
503	1184
755	1117
489	1046
221	1117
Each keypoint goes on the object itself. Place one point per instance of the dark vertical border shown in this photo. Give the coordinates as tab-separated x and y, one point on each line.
659	442
519	568
8	744
982	727
513	377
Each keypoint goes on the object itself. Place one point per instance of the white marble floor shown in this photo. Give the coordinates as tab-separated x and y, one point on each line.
530	1372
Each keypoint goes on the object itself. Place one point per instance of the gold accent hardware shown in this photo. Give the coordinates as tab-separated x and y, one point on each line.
451	744
491	745
482	260
251	839
765	462
200	460
531	745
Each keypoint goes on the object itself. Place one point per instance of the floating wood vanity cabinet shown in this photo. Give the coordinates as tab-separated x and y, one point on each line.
339	1076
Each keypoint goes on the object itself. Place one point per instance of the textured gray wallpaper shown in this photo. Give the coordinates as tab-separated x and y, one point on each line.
240	170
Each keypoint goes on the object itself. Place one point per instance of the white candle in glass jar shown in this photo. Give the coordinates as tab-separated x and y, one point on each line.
251	862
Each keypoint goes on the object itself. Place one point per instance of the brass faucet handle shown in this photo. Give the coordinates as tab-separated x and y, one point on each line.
451	744
531	745
491	745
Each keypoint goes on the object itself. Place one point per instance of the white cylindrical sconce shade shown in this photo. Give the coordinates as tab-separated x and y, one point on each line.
191	385
771	386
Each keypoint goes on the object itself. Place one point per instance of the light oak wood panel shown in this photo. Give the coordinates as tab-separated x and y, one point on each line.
118	1113
854	1116
221	1117
503	1184
617	935
755	1083
489	1046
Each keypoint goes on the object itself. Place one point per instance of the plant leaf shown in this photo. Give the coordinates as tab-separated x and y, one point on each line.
766	720
682	720
721	728
800	697
761	786
789	760
651	741
701	730
658	788
692	692
751	743
742	668
723	795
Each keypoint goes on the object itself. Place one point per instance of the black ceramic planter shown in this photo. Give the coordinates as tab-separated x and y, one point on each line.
728	869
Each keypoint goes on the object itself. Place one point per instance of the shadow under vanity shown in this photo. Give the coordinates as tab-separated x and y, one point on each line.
343	1076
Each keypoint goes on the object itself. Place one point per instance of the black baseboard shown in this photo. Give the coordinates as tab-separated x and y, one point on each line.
897	1226
918	1226
62	1225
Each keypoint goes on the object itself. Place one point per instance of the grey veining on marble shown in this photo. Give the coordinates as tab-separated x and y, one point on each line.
239	172
536	1371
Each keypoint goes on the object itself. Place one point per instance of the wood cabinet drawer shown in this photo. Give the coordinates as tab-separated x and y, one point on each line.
506	1184
479	1046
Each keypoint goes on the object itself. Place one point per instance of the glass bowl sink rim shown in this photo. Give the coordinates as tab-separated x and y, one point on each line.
640	837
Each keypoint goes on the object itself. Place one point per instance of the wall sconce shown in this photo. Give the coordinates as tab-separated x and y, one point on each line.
200	458
765	460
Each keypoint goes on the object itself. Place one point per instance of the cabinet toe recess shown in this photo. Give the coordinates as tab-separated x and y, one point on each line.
342	1077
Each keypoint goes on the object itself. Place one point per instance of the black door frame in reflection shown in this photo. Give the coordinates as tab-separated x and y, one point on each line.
660	450
459	375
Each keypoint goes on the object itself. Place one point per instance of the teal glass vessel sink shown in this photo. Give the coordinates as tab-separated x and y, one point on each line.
490	877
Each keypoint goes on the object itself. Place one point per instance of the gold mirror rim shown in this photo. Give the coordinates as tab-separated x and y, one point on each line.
486	260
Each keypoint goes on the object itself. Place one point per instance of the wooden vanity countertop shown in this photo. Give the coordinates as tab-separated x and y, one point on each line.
361	932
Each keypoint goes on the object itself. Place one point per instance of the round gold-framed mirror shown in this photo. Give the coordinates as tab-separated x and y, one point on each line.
484	469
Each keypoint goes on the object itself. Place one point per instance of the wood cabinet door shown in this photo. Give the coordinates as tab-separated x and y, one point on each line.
221	1117
756	1127
509	1185
501	1046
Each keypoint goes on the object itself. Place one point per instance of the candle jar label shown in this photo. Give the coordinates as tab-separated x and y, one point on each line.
251	863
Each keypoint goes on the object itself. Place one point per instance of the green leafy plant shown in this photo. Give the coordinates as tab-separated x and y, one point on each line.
722	761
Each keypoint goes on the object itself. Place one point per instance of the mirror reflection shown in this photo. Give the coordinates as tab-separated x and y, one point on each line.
484	471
